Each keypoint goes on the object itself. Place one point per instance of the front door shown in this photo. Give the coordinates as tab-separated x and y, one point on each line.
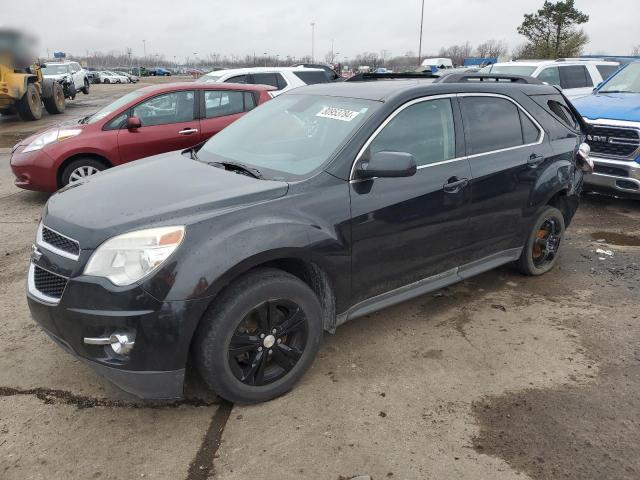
168	123
408	229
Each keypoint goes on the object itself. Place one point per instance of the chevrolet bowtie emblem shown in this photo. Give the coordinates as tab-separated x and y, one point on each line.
35	253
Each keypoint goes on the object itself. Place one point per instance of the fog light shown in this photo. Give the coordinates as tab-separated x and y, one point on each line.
120	342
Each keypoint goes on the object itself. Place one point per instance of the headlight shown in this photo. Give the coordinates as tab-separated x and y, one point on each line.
127	258
51	137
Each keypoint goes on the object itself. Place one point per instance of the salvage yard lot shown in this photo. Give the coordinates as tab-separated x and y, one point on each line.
498	377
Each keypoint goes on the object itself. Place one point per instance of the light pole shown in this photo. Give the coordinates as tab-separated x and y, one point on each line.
313	42
277	60
144	48
420	43
265	58
195	59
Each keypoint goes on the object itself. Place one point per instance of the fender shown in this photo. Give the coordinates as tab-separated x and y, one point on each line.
560	175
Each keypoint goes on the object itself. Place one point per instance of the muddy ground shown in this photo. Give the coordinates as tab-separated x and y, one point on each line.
499	377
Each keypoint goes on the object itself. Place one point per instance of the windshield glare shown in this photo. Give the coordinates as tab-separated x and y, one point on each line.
292	134
626	81
115	105
509	69
54	69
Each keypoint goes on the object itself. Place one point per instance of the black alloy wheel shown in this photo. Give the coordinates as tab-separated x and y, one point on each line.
540	253
259	336
268	342
545	246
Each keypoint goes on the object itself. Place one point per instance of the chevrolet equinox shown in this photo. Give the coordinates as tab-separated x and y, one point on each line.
328	203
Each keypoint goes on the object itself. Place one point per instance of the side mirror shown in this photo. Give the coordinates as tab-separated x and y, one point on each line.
134	123
584	161
388	165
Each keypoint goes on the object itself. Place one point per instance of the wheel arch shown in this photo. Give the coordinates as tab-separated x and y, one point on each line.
76	156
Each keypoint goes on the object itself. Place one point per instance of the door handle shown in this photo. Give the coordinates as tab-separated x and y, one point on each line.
535	160
455	184
188	131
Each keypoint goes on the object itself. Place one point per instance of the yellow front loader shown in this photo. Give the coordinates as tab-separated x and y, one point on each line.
23	90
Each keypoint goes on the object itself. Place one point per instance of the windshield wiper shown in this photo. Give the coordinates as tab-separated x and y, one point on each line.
84	119
616	91
239	168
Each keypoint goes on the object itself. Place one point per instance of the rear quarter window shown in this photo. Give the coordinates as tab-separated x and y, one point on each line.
556	106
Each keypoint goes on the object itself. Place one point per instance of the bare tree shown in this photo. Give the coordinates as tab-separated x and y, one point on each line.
492	49
457	53
635	51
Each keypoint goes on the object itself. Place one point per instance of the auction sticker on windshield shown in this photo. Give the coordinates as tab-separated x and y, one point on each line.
337	114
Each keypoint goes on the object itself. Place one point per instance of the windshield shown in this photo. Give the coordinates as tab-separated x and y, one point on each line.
209	79
626	81
54	69
113	106
509	69
292	134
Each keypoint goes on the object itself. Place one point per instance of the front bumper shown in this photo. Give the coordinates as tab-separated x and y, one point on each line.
614	176
90	307
34	170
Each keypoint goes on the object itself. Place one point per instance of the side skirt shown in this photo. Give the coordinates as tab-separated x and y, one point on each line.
428	284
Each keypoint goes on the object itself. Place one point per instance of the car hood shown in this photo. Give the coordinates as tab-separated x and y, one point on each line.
71	123
612	106
167	189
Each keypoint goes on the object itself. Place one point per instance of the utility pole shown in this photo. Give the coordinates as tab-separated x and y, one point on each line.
313	42
420	43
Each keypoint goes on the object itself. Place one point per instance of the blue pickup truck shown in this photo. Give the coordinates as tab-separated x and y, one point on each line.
613	112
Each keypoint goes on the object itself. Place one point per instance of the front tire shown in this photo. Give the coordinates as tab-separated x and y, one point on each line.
86	87
259	336
81	169
541	250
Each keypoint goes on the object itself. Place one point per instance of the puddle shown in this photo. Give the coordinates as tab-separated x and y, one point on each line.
613	238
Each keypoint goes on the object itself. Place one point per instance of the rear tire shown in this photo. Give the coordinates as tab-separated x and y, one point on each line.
86	87
55	104
29	107
80	169
259	336
540	253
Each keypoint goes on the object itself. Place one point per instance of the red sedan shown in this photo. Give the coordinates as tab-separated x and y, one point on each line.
145	122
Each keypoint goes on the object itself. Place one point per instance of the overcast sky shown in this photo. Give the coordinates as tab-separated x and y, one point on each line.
282	27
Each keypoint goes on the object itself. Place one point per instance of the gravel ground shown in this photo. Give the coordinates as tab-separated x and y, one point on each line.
499	377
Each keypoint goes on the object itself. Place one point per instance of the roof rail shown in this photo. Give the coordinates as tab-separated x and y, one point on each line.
367	77
488	77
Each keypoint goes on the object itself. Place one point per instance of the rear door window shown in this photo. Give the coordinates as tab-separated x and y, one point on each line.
273	79
491	124
219	103
574	76
311	78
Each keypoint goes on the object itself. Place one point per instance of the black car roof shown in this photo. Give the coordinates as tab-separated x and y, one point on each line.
384	90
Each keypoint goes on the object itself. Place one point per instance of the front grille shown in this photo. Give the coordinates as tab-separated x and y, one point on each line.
48	283
613	141
61	242
607	170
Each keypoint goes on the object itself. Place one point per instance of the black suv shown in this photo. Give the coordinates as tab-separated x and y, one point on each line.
325	204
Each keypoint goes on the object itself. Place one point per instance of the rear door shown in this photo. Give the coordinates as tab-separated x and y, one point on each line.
408	229
506	153
168	123
221	107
